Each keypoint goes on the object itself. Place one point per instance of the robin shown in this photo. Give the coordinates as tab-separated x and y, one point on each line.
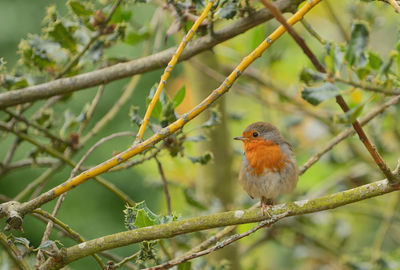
269	167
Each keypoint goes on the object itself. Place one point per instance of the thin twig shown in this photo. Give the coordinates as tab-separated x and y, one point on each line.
39	180
100	142
338	23
91	109
127	93
13	252
387	221
339	99
348	132
165	185
387	92
312	32
219	245
11	152
67	229
127	259
46	234
41	129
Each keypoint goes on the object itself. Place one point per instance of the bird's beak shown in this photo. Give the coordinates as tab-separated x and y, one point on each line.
240	138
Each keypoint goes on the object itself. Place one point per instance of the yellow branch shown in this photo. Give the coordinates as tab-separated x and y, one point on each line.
170	67
178	124
395	5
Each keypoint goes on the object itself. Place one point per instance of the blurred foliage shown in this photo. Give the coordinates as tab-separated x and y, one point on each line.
361	48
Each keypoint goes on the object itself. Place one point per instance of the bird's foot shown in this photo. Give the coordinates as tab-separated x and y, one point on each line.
266	204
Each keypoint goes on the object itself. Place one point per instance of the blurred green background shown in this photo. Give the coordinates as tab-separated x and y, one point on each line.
359	236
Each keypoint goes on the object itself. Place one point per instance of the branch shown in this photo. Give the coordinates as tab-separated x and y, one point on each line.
68	255
137	66
165	185
394	5
348	132
219	245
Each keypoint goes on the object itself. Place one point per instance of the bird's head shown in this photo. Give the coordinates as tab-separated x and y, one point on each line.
261	132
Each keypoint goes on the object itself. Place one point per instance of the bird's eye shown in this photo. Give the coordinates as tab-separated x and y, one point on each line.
255	134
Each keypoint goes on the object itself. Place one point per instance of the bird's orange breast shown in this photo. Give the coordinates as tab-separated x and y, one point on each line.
263	155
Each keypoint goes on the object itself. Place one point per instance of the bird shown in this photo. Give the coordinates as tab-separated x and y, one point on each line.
269	166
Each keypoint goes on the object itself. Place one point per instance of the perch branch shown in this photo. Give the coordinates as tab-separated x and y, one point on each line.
68	255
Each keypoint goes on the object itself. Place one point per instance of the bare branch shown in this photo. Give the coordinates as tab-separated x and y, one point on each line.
165	185
348	132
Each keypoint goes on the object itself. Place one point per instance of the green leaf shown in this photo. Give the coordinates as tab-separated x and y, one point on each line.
143	219
132	38
60	34
385	68
121	15
79	9
139	216
318	94
11	82
308	76
192	200
179	96
374	61
227	10
36	52
363	72
185	266
203	160
358	42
